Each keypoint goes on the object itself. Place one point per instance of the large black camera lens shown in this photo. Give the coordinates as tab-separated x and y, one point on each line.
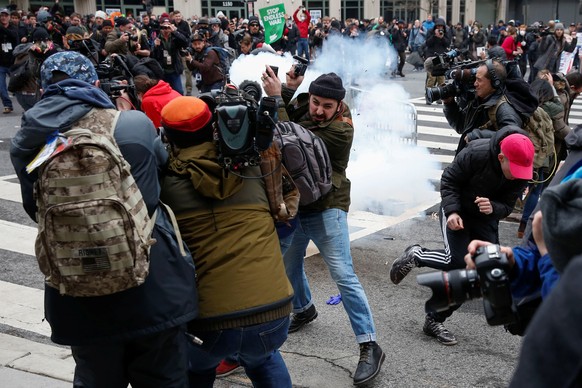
440	92
449	288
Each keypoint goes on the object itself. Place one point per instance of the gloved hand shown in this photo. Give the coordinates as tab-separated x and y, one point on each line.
334	299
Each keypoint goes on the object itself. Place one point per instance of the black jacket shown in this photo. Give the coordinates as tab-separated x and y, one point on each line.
178	42
168	298
476	172
9	40
469	120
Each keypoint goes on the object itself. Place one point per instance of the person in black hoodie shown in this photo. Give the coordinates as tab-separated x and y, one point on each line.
478	189
437	42
135	336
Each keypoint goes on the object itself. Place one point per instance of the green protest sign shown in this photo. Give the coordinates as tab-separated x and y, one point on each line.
273	18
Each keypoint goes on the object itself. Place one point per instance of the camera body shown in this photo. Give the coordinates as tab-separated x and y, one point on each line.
300	65
111	73
243	126
489	280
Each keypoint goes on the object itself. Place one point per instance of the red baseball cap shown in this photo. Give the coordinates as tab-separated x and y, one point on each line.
519	150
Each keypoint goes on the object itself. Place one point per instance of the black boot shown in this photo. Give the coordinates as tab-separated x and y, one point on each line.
301	319
371	359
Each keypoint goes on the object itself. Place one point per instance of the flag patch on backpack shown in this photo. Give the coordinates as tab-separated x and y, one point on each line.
94	232
305	157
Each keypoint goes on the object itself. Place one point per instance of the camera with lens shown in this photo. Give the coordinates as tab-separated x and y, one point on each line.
489	280
243	126
461	79
185	51
300	65
115	78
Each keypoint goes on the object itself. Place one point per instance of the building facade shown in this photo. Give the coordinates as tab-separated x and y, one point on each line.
485	11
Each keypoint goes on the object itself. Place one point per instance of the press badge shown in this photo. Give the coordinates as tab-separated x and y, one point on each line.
168	57
7	47
198	77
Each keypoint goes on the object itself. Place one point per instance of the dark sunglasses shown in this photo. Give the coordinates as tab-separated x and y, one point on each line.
165	28
254	24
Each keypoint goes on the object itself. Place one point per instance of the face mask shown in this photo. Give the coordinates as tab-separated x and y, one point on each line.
522	32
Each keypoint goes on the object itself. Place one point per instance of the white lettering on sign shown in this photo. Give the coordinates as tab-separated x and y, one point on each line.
227	3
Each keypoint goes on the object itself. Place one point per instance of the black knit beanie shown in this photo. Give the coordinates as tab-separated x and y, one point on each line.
328	86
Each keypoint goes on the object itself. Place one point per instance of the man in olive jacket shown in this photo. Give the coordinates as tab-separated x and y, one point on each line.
244	294
323	112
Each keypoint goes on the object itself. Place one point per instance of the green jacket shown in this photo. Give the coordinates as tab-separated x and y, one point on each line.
226	222
337	134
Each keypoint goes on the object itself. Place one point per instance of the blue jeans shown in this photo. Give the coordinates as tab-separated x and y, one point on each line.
257	349
303	48
175	81
6	101
329	231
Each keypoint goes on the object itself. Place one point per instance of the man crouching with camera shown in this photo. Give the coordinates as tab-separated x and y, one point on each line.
478	189
470	121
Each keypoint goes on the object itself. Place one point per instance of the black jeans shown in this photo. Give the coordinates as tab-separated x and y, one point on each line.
151	361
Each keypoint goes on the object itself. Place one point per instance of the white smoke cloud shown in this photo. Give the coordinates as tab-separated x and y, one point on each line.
389	173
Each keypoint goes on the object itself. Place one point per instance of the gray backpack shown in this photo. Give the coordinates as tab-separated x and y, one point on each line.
305	157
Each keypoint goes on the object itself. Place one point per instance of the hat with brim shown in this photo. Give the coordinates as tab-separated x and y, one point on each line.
519	150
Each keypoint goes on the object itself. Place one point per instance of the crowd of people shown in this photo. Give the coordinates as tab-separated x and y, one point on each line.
53	60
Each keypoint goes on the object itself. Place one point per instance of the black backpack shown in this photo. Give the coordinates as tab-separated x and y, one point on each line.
305	157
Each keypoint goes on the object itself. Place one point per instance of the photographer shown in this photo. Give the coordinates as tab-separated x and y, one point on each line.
478	189
551	48
471	121
436	43
205	64
118	39
167	48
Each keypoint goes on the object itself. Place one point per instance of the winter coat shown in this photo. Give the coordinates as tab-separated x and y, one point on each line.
476	172
176	42
207	64
509	46
9	41
337	134
470	121
168	297
227	224
550	50
155	99
435	46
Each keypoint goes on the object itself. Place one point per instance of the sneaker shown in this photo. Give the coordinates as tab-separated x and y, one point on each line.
226	368
301	319
439	331
8	109
371	359
404	264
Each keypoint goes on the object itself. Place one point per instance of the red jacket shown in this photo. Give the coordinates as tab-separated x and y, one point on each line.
510	45
155	99
302	25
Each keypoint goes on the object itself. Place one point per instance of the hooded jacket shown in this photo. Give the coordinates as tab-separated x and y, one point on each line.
227	224
155	99
168	297
476	172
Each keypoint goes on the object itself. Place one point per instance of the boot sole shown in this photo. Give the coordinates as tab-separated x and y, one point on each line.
373	375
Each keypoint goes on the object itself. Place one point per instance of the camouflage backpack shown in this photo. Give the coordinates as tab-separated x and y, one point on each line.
540	129
94	232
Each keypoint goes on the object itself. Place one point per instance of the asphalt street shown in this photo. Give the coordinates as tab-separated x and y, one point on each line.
325	354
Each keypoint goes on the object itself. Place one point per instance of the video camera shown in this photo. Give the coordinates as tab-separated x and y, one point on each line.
243	126
490	280
461	79
115	77
445	61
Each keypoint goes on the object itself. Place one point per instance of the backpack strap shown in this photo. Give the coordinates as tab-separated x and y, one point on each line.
174	225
